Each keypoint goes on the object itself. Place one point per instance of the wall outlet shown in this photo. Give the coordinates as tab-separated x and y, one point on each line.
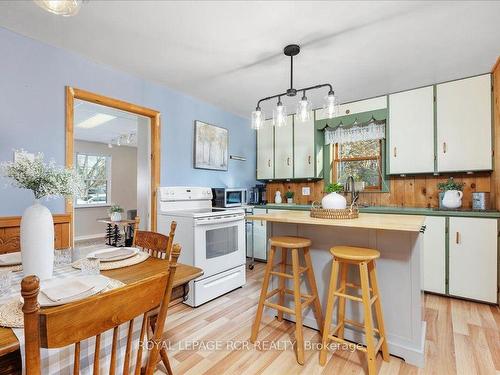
306	190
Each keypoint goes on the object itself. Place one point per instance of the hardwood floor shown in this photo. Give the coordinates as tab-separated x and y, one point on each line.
462	338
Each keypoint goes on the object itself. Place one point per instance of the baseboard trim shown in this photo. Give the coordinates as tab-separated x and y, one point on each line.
89	237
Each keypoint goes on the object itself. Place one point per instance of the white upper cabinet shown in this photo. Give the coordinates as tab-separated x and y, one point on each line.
360	106
411	131
303	142
473	258
265	151
463	122
283	150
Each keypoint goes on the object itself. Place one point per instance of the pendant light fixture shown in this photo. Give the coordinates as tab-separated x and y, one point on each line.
60	7
303	106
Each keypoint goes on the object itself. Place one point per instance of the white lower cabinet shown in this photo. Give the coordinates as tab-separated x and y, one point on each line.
435	254
259	236
473	258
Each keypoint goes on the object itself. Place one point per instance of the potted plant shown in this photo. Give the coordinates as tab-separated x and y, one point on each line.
451	193
45	180
289	196
334	200
115	212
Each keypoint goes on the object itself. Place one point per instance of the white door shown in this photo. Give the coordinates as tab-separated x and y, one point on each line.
435	254
473	258
265	151
283	150
260	236
303	147
411	131
464	125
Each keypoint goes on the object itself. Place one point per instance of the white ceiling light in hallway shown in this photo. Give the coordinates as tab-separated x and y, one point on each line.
64	8
303	106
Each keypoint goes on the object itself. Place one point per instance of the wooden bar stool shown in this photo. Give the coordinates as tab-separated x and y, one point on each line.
364	258
300	300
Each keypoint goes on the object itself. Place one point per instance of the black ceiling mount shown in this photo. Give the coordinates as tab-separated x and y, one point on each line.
291	50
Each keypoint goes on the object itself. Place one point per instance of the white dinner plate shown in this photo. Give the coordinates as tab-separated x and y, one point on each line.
133	252
98	282
10	259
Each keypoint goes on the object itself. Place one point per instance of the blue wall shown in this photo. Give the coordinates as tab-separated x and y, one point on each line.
32	81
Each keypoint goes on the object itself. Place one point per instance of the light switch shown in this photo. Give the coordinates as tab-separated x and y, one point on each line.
306	190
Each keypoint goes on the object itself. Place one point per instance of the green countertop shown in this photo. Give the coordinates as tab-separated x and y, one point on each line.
395	210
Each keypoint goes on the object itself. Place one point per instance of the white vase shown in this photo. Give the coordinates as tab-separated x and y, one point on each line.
277	197
334	201
452	199
37	241
116	216
289	200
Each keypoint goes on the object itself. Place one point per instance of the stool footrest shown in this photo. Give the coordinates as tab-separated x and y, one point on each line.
343	295
358	324
350	344
287	275
279	307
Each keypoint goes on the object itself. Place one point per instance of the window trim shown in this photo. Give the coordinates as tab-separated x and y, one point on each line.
108	181
334	160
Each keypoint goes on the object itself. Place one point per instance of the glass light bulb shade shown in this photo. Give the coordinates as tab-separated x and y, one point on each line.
304	110
60	7
331	106
279	116
257	119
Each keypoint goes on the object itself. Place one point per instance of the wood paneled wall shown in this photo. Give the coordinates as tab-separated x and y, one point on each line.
417	191
10	232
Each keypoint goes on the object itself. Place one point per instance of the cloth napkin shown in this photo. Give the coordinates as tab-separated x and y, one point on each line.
68	288
10	258
113	253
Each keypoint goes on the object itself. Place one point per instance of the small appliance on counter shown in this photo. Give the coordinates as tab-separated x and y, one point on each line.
229	197
481	201
257	195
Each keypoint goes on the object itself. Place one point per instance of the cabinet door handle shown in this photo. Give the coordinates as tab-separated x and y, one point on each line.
395	151
309	159
444	147
287	161
269	163
457	238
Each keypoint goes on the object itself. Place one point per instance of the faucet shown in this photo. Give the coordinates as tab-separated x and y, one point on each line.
350	185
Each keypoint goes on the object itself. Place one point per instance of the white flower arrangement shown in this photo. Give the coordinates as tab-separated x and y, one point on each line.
44	179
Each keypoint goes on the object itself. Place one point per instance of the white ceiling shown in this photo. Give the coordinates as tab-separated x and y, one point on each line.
229	53
123	124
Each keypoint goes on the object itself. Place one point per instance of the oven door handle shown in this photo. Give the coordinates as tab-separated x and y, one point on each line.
219	220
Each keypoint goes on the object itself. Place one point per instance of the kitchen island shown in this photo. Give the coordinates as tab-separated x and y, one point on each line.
399	270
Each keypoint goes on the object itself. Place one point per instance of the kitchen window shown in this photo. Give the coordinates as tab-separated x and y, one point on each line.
362	160
95	171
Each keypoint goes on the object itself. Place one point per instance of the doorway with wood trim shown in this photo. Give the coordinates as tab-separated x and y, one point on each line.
104	109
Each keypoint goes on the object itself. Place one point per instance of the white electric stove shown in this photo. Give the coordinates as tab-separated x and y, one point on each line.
212	239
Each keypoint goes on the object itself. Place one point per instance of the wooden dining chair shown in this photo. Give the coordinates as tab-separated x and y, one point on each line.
159	246
156	244
70	324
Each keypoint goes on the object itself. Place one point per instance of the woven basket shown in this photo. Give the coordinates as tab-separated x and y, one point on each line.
329	213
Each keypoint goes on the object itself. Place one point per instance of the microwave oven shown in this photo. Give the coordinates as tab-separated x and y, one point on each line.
225	197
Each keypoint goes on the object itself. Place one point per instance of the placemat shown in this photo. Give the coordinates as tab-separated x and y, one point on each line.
139	258
11	314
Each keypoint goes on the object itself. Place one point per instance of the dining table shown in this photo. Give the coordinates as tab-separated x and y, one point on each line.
10	356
